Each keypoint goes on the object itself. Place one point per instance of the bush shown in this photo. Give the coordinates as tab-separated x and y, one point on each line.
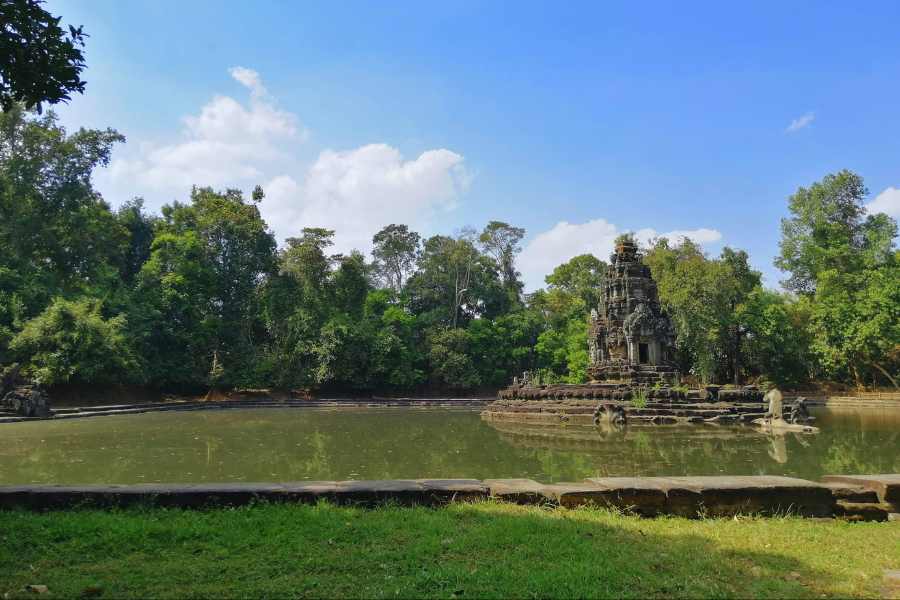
71	341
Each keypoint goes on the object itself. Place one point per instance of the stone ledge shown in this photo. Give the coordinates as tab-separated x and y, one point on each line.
886	485
401	491
684	496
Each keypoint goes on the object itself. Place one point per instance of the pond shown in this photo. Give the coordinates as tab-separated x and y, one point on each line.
256	445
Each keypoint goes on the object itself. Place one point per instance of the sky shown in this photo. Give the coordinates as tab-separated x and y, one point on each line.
576	121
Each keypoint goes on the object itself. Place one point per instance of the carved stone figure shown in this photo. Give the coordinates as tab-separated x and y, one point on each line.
631	339
612	414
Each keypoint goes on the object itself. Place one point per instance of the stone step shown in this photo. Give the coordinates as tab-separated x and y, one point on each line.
852	493
862	511
886	485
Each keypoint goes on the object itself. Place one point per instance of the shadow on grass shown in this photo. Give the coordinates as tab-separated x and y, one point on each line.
478	550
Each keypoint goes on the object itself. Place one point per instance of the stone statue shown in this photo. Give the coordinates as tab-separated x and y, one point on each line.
774	421
613	414
799	412
774	398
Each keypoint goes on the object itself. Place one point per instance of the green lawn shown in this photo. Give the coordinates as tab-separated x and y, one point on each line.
477	550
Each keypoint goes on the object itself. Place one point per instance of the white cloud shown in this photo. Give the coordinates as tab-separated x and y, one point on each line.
357	192
888	202
567	240
230	143
250	79
801	122
227	143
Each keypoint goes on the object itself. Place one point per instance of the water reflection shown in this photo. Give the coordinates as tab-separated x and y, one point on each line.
291	444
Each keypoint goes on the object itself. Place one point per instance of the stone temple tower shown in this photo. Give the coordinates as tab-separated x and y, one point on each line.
631	339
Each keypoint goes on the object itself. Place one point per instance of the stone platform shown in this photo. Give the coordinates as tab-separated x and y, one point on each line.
580	411
646	496
191	405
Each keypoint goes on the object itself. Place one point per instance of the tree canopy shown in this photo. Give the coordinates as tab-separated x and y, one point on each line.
39	60
200	295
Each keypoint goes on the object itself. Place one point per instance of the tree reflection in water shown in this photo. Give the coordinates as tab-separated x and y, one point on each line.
377	443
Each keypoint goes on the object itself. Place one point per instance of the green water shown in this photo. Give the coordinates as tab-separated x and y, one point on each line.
389	443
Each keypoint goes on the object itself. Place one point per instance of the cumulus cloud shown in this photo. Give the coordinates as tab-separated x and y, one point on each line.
887	202
801	122
235	143
250	79
227	143
357	192
566	240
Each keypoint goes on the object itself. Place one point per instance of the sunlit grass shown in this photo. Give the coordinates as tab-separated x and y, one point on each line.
476	550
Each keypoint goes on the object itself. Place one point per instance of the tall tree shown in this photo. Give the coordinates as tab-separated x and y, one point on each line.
39	60
207	262
454	282
829	230
583	276
844	260
395	250
58	237
501	241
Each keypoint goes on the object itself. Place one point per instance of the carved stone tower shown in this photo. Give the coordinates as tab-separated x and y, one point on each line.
631	339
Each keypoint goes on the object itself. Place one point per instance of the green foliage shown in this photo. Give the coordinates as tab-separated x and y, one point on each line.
449	358
394	249
201	296
707	300
583	276
39	60
501	241
72	341
845	263
639	398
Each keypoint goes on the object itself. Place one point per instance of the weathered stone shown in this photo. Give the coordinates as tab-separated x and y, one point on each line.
519	491
446	490
27	401
642	495
856	511
763	494
887	486
851	493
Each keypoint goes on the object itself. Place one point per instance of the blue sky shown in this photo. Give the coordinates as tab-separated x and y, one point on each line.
576	122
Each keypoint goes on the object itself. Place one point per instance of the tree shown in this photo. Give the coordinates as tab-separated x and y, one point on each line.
58	237
844	261
829	230
450	359
39	60
856	323
201	284
454	283
72	341
706	299
583	276
501	241
395	250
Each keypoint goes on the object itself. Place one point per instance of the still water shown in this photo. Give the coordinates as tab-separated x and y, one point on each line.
388	443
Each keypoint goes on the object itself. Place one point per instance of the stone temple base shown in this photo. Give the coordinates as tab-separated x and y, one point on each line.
647	375
576	404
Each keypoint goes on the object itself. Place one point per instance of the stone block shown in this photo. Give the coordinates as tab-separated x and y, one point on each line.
447	490
641	495
857	511
764	494
519	491
851	493
887	486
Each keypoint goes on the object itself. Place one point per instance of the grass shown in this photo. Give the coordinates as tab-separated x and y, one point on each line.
639	398
464	550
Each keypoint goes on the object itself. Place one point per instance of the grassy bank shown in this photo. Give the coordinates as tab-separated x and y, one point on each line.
463	550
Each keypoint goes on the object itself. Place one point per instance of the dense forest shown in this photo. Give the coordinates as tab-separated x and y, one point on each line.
202	296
